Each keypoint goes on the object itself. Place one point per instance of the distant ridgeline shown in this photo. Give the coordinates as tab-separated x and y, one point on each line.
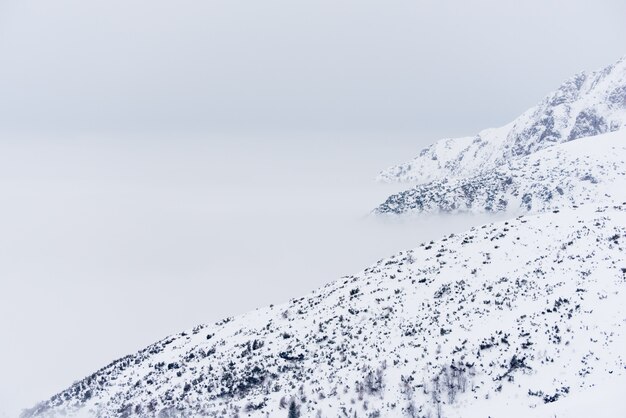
474	173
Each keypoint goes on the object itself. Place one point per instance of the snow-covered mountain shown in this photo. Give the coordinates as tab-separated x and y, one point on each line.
585	105
522	318
587	170
519	318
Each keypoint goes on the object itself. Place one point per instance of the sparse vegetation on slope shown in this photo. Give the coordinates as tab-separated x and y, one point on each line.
524	313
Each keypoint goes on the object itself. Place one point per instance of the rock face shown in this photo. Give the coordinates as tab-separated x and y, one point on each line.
587	104
565	175
519	318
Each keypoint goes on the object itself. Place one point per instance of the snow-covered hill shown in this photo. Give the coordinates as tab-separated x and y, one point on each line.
585	105
520	318
587	170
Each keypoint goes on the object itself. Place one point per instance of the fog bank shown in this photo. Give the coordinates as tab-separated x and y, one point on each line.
109	244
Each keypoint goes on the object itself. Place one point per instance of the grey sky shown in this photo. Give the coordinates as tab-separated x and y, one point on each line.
234	65
168	163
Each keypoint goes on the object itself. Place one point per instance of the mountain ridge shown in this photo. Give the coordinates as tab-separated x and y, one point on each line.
587	104
521	314
564	175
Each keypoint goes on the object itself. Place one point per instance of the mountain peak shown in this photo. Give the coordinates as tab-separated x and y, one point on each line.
587	104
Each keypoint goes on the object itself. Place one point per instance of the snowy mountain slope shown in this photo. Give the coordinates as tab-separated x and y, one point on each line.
574	173
520	318
585	105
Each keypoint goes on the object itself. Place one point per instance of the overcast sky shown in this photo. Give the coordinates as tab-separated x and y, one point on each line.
232	65
169	163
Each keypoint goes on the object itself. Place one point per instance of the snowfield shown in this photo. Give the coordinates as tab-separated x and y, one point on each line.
587	170
518	318
585	105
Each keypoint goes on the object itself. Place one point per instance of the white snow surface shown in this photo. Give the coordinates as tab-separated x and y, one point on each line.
519	318
590	103
591	169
